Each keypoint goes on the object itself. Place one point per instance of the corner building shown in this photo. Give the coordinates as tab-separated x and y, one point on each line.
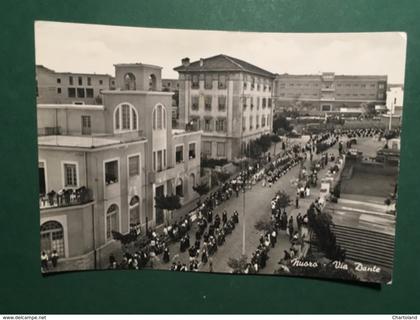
229	99
105	179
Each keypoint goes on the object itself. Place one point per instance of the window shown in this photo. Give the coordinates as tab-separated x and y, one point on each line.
80	81
86	125
59	90
269	102
363	86
252	83
222	103
195	81
179	154
89	81
222	81
207	124
207	103
194	103
71	80
152	83
243	123
250	122
380	95
208	81
221	149
52	238
134	212
129	81
70	175
262	121
159	117
159	164
221	125
111	172
71	92
258	103
179	188
101	82
191	151
326	107
134	166
80	92
207	148
125	118
89	93
257	121
245	84
381	86
111	220
244	102
58	80
263	103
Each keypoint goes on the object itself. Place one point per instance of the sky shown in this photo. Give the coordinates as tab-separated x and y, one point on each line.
87	48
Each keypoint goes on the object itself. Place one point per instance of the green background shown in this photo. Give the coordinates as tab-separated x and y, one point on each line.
23	289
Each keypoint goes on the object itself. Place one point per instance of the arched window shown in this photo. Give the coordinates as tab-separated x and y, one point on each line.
125	118
134	212
52	238
179	189
129	81
152	82
112	220
159	117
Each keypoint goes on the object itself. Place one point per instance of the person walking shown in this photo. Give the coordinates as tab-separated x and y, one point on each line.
290	228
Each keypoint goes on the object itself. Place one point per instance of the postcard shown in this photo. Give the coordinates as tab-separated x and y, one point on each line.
220	152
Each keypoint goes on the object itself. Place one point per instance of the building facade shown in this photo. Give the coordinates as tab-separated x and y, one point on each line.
328	93
70	88
230	100
172	85
103	169
395	99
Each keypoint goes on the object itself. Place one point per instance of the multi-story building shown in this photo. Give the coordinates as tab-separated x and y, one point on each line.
395	99
328	93
229	99
71	88
107	165
172	85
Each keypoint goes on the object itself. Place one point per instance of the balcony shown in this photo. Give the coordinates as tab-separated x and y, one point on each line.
49	131
65	198
328	89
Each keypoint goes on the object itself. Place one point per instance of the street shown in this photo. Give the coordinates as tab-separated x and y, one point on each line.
257	206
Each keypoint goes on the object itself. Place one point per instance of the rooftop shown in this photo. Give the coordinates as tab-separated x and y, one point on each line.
83	142
73	73
71	106
223	62
363	213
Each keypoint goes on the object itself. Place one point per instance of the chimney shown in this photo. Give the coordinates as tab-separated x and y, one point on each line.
201	62
185	62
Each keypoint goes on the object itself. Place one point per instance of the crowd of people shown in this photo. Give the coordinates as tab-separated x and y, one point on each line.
211	230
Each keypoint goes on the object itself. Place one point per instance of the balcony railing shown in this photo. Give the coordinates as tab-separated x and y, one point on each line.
65	198
49	131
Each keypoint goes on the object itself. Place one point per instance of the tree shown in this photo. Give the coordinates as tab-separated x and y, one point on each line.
281	124
320	225
168	202
283	200
263	225
238	265
370	110
201	189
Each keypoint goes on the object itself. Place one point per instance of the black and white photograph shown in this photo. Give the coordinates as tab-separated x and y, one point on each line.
218	151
